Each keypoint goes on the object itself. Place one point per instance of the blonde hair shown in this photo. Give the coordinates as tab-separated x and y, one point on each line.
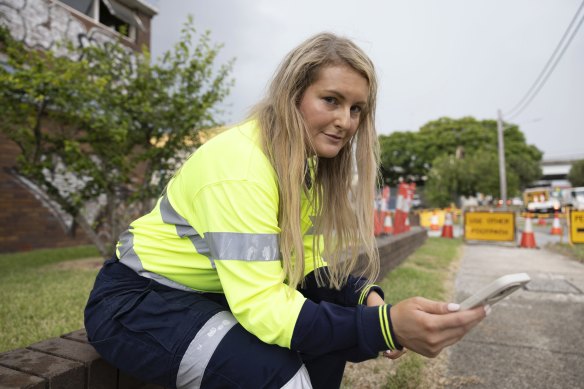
344	208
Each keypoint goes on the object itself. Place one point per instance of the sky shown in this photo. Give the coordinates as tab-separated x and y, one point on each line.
434	58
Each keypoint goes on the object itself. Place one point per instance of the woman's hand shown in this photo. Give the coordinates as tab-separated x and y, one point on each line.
427	327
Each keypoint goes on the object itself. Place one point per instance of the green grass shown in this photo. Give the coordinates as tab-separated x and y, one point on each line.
424	273
573	251
39	300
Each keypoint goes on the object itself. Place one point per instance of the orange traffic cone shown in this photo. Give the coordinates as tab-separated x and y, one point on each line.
387	224
556	227
541	220
434	226
447	229
528	238
407	225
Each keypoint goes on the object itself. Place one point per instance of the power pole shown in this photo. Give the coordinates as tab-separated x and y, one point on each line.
502	171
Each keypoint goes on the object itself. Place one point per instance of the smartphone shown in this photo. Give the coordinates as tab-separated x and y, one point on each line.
496	290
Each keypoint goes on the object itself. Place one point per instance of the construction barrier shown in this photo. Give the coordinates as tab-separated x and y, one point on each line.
576	224
489	226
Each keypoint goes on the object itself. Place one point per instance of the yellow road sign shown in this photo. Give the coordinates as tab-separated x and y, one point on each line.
577	226
493	226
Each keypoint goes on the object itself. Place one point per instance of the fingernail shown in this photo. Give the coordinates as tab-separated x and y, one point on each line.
453	307
487	310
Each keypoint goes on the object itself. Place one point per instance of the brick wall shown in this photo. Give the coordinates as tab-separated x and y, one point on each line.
25	222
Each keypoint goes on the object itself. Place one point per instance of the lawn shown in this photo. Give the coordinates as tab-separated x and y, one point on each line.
43	292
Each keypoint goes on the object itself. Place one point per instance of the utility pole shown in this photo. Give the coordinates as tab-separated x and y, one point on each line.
502	171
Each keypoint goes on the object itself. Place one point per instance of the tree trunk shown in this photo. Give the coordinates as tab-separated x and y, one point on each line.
103	249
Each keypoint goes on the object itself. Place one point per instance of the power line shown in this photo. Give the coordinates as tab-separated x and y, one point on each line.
547	70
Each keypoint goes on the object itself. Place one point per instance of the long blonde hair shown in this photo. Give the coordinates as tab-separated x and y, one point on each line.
344	207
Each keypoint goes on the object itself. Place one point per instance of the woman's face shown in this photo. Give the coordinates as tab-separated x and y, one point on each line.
332	106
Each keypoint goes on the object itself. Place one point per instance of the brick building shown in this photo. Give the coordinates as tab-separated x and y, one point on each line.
29	220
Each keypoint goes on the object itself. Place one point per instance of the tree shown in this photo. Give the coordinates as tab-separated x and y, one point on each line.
413	155
451	177
576	174
105	127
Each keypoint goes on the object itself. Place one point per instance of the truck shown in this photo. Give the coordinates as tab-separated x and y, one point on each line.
541	200
577	198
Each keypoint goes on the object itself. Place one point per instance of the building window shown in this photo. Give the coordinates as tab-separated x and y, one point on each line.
83	6
111	14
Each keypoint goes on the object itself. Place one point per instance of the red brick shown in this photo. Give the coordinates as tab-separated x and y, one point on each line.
12	379
58	372
98	373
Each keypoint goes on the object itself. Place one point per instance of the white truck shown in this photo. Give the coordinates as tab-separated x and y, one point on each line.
577	198
541	200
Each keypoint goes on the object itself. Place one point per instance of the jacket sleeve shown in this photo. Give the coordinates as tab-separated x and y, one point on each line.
354	291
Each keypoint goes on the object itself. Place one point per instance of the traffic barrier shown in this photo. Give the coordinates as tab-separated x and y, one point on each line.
387	224
556	226
447	231
377	222
528	237
434	226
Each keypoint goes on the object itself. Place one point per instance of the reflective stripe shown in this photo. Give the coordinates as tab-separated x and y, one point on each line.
247	247
129	258
385	327
364	294
194	362
183	228
301	380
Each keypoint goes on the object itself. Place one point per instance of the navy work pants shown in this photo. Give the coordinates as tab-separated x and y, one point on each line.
182	339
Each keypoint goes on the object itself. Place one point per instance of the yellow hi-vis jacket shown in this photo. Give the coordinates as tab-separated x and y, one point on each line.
215	229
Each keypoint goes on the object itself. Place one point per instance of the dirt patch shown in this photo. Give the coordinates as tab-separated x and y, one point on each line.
78	264
371	374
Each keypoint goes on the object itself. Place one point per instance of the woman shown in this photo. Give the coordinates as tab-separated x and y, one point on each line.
224	283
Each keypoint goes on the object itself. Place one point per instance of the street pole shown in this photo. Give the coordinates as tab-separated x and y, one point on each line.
502	172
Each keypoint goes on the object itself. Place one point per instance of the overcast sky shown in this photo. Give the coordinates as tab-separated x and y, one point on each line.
434	58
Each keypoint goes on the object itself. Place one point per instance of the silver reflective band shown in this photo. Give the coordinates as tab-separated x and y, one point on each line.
183	228
247	247
199	353
129	258
301	380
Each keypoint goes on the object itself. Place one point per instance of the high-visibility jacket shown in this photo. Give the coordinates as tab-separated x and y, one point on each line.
215	229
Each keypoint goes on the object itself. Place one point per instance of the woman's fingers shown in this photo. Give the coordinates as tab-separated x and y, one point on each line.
427	326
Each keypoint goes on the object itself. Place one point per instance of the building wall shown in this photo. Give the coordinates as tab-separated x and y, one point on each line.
27	219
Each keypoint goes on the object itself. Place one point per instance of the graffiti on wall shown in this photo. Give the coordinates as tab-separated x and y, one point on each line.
43	24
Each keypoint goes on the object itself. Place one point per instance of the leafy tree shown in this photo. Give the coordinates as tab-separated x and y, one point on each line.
576	174
413	155
451	177
109	127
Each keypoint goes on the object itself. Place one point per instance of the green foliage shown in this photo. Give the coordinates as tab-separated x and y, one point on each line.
459	157
108	123
576	174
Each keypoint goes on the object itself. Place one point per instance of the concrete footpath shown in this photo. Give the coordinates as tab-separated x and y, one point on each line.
532	339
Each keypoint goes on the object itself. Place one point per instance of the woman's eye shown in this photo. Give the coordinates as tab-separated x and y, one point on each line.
356	109
330	100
